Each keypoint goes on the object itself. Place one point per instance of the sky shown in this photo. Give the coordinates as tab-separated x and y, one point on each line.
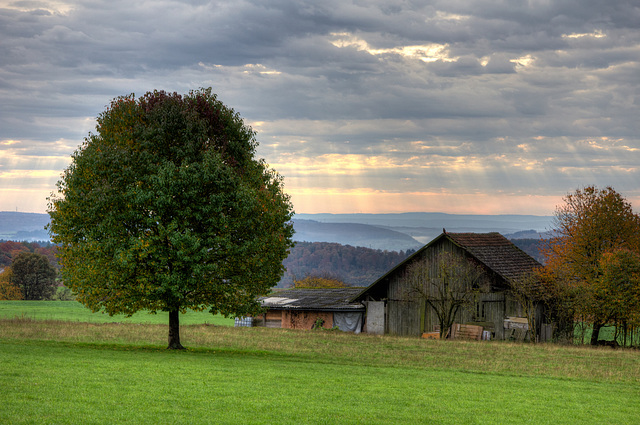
376	106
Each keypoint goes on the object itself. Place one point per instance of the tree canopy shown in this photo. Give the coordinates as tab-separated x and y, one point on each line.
33	274
591	228
166	208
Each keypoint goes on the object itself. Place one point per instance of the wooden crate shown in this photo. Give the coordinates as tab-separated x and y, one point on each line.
459	331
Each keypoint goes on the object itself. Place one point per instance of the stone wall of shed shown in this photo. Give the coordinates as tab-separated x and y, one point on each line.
296	319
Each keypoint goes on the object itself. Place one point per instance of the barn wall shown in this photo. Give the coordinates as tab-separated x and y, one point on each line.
375	317
406	313
403	317
486	310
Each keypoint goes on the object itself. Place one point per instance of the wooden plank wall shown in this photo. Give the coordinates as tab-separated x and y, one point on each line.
408	316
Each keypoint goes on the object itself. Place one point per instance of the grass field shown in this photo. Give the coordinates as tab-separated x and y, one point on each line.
73	372
73	311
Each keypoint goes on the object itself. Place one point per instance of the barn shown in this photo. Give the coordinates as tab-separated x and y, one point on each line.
392	309
304	308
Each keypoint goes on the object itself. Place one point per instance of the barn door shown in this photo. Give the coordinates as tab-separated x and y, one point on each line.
375	317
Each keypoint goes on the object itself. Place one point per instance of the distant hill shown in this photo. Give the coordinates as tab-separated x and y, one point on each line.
392	232
421	227
356	248
354	234
509	223
17	226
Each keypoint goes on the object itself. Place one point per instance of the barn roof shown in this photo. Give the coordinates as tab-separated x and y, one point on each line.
493	250
332	299
497	253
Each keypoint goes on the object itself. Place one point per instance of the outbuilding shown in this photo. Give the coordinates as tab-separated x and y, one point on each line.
309	308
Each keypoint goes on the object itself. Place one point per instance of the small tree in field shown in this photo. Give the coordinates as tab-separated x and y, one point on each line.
35	277
447	283
8	290
166	208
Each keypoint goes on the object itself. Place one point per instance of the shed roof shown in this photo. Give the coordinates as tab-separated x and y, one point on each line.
326	299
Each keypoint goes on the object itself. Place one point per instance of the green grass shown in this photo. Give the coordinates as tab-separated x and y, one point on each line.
58	383
72	371
73	311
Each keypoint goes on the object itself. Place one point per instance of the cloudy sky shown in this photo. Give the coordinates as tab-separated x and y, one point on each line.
458	106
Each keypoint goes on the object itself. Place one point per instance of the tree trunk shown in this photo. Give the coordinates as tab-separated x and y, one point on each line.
595	333
174	331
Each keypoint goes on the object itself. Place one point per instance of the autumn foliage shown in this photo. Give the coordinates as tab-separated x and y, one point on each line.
315	282
8	289
9	251
592	261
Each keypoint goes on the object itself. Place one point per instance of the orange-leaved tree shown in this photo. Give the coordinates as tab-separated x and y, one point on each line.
8	289
590	223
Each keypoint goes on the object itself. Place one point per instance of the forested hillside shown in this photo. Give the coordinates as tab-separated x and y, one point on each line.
10	249
356	266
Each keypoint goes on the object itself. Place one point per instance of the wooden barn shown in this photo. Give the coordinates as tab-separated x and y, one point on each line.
393	308
303	308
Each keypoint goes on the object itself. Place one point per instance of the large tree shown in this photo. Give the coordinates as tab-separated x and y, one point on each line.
33	274
590	223
166	208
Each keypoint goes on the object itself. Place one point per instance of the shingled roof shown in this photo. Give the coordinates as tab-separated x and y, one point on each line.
313	299
497	253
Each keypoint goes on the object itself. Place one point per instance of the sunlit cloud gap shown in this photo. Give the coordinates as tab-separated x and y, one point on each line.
426	52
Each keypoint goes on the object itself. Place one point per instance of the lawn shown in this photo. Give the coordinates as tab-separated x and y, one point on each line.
51	382
119	373
73	311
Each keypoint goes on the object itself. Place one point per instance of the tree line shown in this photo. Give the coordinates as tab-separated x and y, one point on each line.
10	249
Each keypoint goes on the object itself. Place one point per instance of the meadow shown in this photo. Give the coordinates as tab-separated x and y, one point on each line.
73	311
77	372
